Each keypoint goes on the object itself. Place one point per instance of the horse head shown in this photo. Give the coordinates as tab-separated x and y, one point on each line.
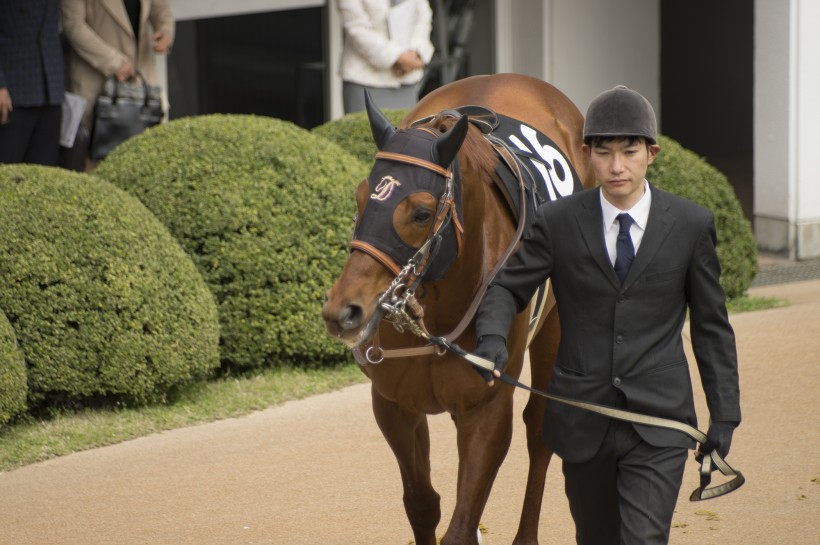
408	224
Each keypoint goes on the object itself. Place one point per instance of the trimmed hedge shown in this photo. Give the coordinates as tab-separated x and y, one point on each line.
352	133
106	306
12	373
264	208
676	170
682	172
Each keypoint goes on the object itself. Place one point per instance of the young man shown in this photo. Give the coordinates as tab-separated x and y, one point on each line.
626	261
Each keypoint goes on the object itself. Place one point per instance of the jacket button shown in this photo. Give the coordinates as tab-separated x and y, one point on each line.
619	339
621	299
616	381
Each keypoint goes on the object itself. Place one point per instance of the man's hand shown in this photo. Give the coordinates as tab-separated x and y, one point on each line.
718	438
161	41
5	105
493	348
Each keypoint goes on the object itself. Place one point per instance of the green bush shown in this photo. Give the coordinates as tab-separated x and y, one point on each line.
106	305
682	172
12	373
265	210
352	133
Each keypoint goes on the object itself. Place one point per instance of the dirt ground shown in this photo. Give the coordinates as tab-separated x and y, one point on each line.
317	471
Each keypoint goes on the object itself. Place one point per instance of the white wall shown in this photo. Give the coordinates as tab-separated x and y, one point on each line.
787	85
594	45
807	136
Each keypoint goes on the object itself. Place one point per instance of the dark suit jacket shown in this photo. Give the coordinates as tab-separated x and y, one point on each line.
622	345
31	55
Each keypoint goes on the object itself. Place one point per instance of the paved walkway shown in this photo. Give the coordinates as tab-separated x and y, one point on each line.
317	472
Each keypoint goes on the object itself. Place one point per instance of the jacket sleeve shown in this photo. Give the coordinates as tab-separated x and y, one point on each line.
85	40
162	19
713	339
513	288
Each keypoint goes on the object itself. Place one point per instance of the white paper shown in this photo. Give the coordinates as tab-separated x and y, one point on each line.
400	22
73	108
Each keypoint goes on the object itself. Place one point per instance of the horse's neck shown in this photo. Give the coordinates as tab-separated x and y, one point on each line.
489	230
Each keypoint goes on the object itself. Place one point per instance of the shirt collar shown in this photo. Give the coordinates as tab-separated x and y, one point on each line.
639	212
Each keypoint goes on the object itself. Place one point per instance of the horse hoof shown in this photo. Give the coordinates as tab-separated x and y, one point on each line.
479	536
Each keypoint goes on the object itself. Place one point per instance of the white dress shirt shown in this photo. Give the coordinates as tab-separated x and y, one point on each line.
639	213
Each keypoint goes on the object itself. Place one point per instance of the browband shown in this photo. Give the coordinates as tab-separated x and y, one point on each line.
401	158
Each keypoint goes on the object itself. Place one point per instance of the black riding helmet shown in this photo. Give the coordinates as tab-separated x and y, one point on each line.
621	111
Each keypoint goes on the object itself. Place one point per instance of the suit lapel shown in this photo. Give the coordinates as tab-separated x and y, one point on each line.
117	10
658	227
590	221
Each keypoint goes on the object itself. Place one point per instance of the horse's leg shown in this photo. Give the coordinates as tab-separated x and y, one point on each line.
543	351
409	437
484	436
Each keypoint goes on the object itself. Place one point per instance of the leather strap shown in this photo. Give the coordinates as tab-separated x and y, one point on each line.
401	158
701	493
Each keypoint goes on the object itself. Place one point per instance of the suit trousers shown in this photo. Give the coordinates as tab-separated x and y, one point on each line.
626	494
32	135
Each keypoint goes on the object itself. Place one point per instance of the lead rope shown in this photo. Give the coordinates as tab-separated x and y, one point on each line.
703	492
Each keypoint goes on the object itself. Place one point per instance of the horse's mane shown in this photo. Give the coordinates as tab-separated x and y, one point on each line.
476	152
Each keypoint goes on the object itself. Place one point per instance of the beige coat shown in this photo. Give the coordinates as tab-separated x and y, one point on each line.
101	39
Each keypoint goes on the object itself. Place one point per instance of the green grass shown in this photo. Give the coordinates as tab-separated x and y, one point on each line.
35	440
749	304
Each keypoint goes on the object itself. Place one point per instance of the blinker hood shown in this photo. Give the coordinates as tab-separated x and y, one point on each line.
392	181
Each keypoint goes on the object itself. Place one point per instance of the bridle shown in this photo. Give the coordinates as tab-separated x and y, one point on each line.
398	304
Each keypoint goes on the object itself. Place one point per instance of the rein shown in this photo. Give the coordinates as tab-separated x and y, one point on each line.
703	492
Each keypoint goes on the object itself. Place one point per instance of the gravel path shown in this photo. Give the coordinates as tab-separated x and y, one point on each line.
317	471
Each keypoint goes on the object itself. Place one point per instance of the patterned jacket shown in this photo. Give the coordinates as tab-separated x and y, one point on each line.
31	55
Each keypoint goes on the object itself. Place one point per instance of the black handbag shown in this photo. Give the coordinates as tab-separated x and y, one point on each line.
123	109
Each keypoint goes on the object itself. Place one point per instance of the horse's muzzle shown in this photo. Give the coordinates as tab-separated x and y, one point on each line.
347	323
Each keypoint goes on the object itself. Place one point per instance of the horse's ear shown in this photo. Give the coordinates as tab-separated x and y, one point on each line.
449	143
380	126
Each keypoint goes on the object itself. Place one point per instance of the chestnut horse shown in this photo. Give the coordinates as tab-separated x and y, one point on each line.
445	166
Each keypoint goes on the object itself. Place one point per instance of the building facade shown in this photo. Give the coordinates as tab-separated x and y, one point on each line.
735	81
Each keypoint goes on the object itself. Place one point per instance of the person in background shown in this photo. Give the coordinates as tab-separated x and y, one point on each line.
628	262
113	38
31	81
389	67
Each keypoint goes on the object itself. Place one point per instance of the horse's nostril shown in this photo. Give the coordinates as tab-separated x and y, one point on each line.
351	317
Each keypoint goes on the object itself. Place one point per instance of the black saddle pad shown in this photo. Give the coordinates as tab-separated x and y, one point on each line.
548	173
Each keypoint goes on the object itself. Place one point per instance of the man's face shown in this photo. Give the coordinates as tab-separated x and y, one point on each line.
620	168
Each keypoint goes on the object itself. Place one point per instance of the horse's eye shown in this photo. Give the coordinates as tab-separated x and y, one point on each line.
422	216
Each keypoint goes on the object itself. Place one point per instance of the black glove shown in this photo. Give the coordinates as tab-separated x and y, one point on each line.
493	348
719	438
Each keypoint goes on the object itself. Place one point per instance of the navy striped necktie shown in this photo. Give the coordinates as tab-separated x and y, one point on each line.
624	250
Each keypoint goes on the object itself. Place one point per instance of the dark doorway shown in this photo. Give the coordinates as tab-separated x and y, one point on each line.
268	64
707	62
